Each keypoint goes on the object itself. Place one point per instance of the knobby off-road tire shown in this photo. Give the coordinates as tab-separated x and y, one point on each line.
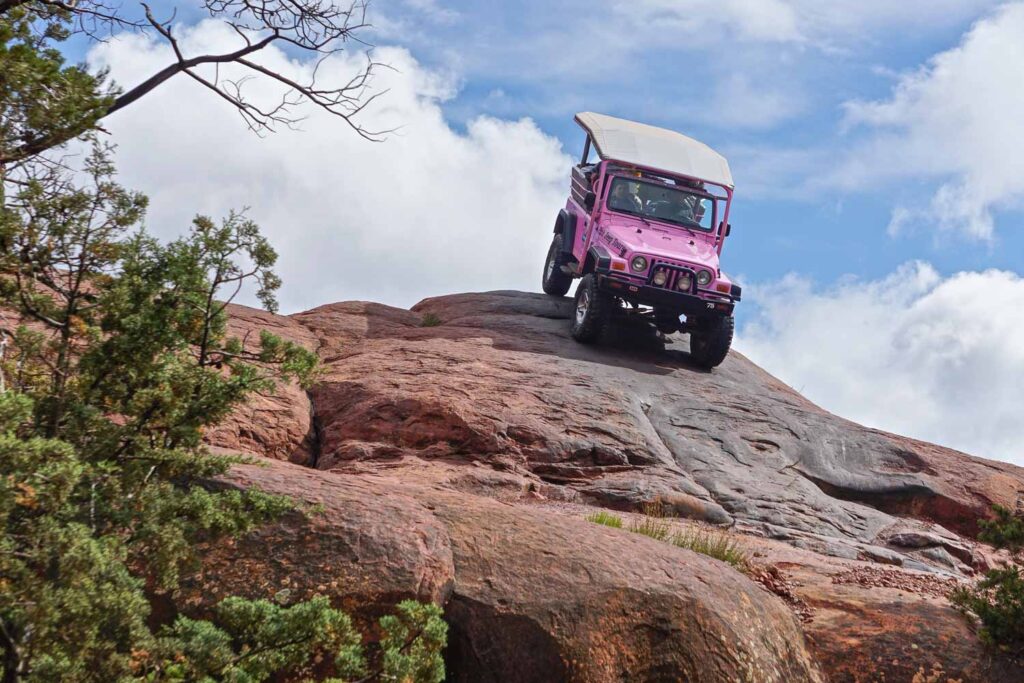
710	342
590	312
667	322
555	282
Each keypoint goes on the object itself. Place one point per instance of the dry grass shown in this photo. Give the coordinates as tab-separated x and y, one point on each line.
657	509
720	545
656	522
655	527
605	519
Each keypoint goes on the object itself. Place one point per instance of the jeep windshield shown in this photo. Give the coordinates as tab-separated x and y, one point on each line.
684	206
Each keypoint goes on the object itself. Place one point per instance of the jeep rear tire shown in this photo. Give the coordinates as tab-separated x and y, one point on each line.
555	282
710	341
590	312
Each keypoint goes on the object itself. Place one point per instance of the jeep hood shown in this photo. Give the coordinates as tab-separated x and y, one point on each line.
668	243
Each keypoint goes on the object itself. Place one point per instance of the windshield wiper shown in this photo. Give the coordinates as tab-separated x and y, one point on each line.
665	220
634	214
687	229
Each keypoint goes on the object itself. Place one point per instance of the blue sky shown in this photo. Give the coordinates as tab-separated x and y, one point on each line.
877	148
548	60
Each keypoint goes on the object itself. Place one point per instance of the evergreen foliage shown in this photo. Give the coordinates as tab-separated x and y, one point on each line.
1005	531
43	101
997	601
122	362
115	357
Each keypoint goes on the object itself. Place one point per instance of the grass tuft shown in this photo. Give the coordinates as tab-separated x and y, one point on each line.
720	545
655	527
656	523
657	509
605	519
430	320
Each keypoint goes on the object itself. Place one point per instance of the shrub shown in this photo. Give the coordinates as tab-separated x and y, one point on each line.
720	545
605	518
998	603
251	640
430	320
1005	531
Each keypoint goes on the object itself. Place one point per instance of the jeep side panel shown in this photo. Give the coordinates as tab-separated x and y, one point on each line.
590	221
579	218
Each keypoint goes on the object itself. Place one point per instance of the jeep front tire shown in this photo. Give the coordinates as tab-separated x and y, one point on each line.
555	282
590	312
666	321
710	340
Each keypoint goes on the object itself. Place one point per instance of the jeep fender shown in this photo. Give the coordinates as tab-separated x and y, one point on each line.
598	260
565	225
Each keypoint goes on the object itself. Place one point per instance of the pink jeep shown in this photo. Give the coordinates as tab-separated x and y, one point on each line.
644	226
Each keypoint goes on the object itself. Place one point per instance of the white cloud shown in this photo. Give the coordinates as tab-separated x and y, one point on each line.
957	120
757	20
738	102
857	18
433	11
739	64
938	358
795	21
428	211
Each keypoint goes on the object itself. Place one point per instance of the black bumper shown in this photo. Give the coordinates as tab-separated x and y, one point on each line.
646	295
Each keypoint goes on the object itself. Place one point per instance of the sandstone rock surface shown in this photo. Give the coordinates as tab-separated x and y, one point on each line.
276	425
531	595
455	460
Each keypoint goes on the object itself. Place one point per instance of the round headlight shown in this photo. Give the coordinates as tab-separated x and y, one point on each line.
659	278
703	278
683	283
638	264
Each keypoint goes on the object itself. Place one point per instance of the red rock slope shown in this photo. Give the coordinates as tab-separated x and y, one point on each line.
455	463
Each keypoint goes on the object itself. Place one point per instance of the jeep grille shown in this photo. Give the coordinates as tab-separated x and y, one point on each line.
674	272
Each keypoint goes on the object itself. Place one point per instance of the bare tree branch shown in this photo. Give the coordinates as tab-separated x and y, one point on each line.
318	27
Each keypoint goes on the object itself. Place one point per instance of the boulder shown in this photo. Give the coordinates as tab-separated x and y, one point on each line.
530	595
278	424
365	545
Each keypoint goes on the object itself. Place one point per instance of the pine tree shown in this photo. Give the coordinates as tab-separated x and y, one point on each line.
115	356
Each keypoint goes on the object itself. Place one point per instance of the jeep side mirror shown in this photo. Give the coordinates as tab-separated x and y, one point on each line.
728	229
588	200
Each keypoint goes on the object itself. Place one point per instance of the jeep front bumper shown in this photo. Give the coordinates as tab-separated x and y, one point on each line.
638	292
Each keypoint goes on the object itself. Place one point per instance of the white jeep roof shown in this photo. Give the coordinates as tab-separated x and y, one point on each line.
658	148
